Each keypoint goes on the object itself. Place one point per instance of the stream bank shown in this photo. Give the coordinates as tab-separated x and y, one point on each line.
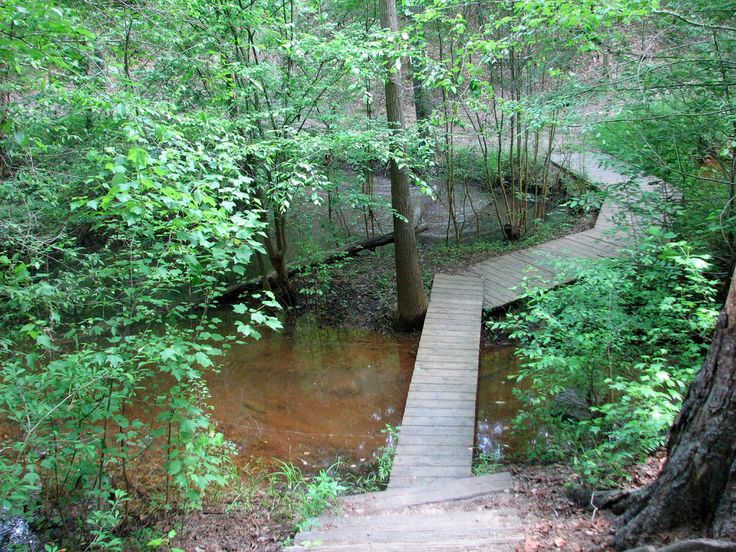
360	292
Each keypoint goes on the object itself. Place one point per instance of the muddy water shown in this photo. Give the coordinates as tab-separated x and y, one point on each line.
497	404
309	394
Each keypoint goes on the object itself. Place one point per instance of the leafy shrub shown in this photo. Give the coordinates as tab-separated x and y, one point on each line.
625	339
105	342
693	154
310	496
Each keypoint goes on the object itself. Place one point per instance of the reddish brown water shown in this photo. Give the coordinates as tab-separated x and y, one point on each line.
310	394
497	404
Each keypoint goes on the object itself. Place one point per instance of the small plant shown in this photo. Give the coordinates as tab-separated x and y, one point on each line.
587	202
486	463
161	542
103	522
386	453
310	497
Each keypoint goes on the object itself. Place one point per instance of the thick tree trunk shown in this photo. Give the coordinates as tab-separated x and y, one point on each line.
412	301
697	486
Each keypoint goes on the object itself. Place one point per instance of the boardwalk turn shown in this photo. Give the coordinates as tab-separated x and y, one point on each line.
502	276
434	456
436	440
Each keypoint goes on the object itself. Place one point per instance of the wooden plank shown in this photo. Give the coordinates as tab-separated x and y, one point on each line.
454	490
454	440
436	421
434	387
464	373
591	242
452	416
447	381
444	395
440	433
466	431
497	297
439	368
437	334
430	471
432	459
502	283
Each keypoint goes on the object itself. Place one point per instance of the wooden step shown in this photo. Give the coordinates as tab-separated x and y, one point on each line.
490	526
462	545
456	489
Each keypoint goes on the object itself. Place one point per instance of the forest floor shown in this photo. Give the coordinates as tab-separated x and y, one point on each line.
558	522
360	292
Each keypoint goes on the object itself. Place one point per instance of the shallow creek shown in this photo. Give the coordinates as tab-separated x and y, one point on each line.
309	394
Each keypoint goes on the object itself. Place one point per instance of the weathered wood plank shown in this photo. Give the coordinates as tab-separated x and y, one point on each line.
460	489
436	436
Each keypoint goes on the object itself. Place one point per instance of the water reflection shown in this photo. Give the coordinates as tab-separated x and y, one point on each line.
497	404
310	394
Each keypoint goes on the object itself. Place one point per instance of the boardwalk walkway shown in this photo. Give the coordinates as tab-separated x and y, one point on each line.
502	276
437	431
433	461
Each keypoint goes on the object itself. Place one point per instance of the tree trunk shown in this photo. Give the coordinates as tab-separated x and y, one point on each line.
412	301
422	100
697	485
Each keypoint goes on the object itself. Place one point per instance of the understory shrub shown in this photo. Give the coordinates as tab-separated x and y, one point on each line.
609	358
107	331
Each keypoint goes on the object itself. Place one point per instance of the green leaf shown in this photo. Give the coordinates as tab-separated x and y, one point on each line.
174	467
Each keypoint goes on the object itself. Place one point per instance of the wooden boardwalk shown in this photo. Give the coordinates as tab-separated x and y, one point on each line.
440	517
548	265
421	509
437	431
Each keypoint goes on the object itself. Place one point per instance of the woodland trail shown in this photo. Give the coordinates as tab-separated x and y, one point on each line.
429	504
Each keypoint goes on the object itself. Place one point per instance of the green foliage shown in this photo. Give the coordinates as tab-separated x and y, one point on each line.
385	455
160	542
310	495
486	463
676	120
627	350
123	219
587	202
696	163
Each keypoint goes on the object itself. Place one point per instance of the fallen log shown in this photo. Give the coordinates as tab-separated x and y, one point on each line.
234	291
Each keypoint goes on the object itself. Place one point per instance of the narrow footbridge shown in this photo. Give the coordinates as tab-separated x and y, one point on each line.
428	504
437	431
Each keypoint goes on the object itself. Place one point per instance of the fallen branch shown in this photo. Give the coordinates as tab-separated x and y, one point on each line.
232	293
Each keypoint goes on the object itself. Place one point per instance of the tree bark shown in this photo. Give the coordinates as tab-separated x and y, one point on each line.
697	486
412	301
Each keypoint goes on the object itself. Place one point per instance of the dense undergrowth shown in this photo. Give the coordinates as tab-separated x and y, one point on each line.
610	357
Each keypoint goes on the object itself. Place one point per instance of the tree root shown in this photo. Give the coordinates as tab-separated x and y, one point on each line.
692	545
